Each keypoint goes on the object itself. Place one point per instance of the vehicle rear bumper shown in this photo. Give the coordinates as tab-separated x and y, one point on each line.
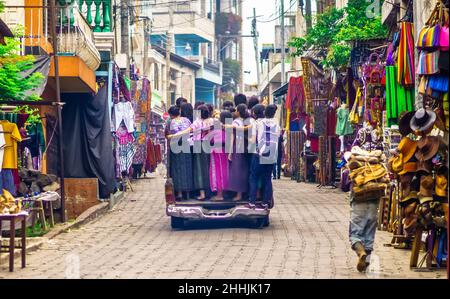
200	213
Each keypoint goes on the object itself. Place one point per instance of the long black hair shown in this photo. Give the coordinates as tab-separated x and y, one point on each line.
242	111
224	115
187	111
204	111
258	111
174	111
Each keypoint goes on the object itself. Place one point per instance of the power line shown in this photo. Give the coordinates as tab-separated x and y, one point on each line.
284	13
195	19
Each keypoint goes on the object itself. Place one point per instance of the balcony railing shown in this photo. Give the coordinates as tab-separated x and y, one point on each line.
75	37
211	65
97	13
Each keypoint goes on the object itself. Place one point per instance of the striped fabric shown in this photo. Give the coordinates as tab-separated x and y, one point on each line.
126	154
429	37
428	63
405	60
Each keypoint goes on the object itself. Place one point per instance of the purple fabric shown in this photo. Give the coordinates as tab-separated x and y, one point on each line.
218	169
145	89
123	88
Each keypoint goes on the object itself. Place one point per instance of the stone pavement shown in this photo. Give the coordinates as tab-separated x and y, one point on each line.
307	238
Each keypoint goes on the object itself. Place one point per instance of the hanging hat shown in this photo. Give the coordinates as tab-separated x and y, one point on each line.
422	120
426	187
404	121
408	167
405	183
406	150
425	166
427	148
408	199
441	181
407	147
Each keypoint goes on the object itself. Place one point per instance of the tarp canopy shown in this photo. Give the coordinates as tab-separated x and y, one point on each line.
41	64
87	139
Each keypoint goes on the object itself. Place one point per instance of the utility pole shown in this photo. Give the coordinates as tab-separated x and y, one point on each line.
308	13
125	26
146	42
59	108
283	48
255	44
168	50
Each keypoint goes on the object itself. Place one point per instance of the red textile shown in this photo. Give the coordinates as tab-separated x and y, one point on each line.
314	144
296	95
150	163
158	153
15	173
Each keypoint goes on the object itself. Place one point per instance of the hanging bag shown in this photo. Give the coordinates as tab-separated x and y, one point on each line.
372	65
428	63
438	83
353	115
429	36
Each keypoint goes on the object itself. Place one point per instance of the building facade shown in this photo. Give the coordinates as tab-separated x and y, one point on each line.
187	28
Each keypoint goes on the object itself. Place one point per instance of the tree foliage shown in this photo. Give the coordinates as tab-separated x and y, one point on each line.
12	85
334	28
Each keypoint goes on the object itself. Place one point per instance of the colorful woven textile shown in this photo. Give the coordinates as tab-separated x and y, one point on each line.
405	59
398	98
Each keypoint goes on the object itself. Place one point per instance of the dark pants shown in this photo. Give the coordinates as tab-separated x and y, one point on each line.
264	172
277	167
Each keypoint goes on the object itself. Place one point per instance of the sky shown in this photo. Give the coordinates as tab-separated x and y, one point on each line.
264	8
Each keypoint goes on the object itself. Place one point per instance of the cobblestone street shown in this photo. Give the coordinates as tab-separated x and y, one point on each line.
307	238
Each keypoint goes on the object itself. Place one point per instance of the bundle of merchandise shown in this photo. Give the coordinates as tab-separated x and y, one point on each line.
367	173
8	205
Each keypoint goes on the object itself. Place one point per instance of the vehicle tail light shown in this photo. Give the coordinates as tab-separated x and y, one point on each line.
170	196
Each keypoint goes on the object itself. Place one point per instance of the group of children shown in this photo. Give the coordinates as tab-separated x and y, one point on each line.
223	154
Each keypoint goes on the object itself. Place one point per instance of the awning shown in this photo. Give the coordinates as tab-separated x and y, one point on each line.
281	91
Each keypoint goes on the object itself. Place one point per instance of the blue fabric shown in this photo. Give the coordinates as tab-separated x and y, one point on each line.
363	223
262	172
7	181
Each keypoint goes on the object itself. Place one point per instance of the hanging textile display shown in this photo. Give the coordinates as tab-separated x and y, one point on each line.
295	99
405	62
398	98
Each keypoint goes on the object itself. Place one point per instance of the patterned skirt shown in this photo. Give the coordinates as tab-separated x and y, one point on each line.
238	177
218	171
201	171
181	171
